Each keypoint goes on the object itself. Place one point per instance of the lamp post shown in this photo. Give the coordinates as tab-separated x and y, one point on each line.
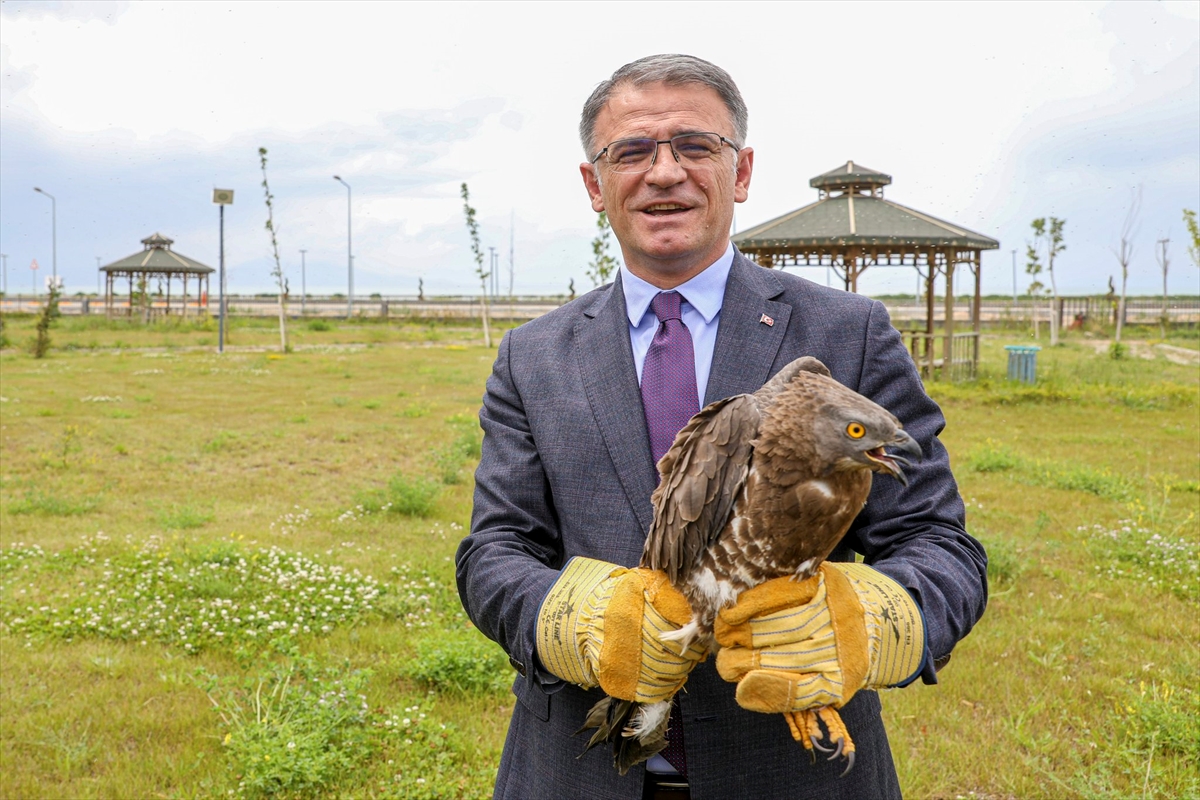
1014	260
53	233
221	198
349	252
302	289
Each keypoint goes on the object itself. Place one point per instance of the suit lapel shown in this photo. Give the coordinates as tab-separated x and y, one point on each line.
750	333
605	360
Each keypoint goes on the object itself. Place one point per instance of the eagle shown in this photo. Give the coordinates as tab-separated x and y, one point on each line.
756	486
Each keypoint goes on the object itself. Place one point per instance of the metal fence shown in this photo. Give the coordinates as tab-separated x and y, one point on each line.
904	313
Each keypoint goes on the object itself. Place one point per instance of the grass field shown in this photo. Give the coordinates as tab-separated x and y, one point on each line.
233	574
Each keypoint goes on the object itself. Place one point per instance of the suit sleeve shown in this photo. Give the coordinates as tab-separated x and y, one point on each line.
917	534
508	563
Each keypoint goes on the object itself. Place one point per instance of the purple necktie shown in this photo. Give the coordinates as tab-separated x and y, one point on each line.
668	375
669	399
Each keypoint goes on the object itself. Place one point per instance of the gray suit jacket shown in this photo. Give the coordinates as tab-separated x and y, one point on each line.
566	470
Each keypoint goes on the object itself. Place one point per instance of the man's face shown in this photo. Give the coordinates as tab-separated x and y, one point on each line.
672	222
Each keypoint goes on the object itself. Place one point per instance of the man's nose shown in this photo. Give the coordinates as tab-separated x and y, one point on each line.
666	169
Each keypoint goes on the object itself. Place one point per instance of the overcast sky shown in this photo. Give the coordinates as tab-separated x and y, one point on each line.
987	115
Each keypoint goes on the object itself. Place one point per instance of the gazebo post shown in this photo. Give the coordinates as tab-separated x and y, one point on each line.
948	327
130	294
930	277
185	295
978	264
168	312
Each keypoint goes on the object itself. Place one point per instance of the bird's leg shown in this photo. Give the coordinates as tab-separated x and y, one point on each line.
806	729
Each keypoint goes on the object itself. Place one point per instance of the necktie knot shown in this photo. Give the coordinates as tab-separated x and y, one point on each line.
667	305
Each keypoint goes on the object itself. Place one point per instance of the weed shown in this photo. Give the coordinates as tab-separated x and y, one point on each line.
1162	560
185	517
413	497
462	662
339	401
36	501
222	441
319	325
294	730
371	405
992	457
72	748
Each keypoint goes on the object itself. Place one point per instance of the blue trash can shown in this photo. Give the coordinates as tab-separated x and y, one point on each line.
1022	362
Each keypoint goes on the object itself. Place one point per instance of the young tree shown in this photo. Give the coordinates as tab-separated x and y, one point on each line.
1124	254
473	229
49	313
1047	236
1160	255
277	273
1193	248
603	265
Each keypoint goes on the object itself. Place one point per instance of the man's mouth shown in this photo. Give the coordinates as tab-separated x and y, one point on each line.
665	209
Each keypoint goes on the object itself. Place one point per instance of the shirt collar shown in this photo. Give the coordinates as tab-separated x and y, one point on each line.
704	292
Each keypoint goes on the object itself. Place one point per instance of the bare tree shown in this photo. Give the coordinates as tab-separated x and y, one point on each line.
1048	234
477	251
277	273
603	265
1193	248
1124	254
1160	255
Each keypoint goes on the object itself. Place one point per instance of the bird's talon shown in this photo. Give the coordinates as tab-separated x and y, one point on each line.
838	752
849	764
817	744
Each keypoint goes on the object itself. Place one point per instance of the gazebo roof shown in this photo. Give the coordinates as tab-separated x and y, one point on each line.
158	257
853	219
849	174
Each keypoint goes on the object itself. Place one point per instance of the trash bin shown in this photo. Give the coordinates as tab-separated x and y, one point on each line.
1022	362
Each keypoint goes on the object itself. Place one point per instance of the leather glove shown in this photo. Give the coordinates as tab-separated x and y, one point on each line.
797	645
602	625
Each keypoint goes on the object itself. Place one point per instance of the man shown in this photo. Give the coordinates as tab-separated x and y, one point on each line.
572	433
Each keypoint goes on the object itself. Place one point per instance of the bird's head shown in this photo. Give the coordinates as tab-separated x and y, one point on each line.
854	433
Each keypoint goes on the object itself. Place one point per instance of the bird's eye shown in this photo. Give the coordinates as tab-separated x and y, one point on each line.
855	430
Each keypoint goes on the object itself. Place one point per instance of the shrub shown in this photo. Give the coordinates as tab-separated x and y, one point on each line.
319	325
294	730
462	662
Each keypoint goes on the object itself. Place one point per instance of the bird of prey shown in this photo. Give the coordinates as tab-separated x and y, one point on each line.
755	487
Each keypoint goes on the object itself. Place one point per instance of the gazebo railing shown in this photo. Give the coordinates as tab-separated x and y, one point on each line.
928	353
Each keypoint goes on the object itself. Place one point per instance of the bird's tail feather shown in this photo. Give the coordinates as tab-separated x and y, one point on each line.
635	730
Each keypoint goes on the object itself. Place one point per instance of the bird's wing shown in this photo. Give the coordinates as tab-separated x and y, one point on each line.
703	474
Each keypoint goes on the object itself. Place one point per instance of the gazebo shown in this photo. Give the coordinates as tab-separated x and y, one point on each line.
158	263
852	227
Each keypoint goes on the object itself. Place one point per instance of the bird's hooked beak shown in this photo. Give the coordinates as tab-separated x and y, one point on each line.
889	462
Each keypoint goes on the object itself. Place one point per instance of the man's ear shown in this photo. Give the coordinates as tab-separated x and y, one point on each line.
591	182
741	180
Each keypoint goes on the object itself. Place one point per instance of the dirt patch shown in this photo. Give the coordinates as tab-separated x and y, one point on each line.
1172	353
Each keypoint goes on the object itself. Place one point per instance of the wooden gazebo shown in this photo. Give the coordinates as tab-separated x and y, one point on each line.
852	227
150	274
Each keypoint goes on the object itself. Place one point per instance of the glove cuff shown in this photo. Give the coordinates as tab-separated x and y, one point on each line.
565	617
894	625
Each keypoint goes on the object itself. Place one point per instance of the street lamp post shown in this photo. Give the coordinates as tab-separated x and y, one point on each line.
349	252
53	233
1014	254
303	291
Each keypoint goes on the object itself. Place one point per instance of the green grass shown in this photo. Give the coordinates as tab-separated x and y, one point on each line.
243	495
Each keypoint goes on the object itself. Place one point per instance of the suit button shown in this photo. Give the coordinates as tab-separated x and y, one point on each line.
517	665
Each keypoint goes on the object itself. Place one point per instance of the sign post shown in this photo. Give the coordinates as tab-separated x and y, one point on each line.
222	198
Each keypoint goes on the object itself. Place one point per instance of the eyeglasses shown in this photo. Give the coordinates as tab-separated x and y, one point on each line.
638	155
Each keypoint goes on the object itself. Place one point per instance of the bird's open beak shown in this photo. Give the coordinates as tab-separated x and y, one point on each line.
890	462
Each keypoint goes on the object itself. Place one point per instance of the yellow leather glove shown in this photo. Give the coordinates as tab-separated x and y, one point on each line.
602	625
797	645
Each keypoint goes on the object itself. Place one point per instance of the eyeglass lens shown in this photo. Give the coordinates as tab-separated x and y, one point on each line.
638	155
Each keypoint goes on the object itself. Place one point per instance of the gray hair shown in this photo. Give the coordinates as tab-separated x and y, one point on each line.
673	69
